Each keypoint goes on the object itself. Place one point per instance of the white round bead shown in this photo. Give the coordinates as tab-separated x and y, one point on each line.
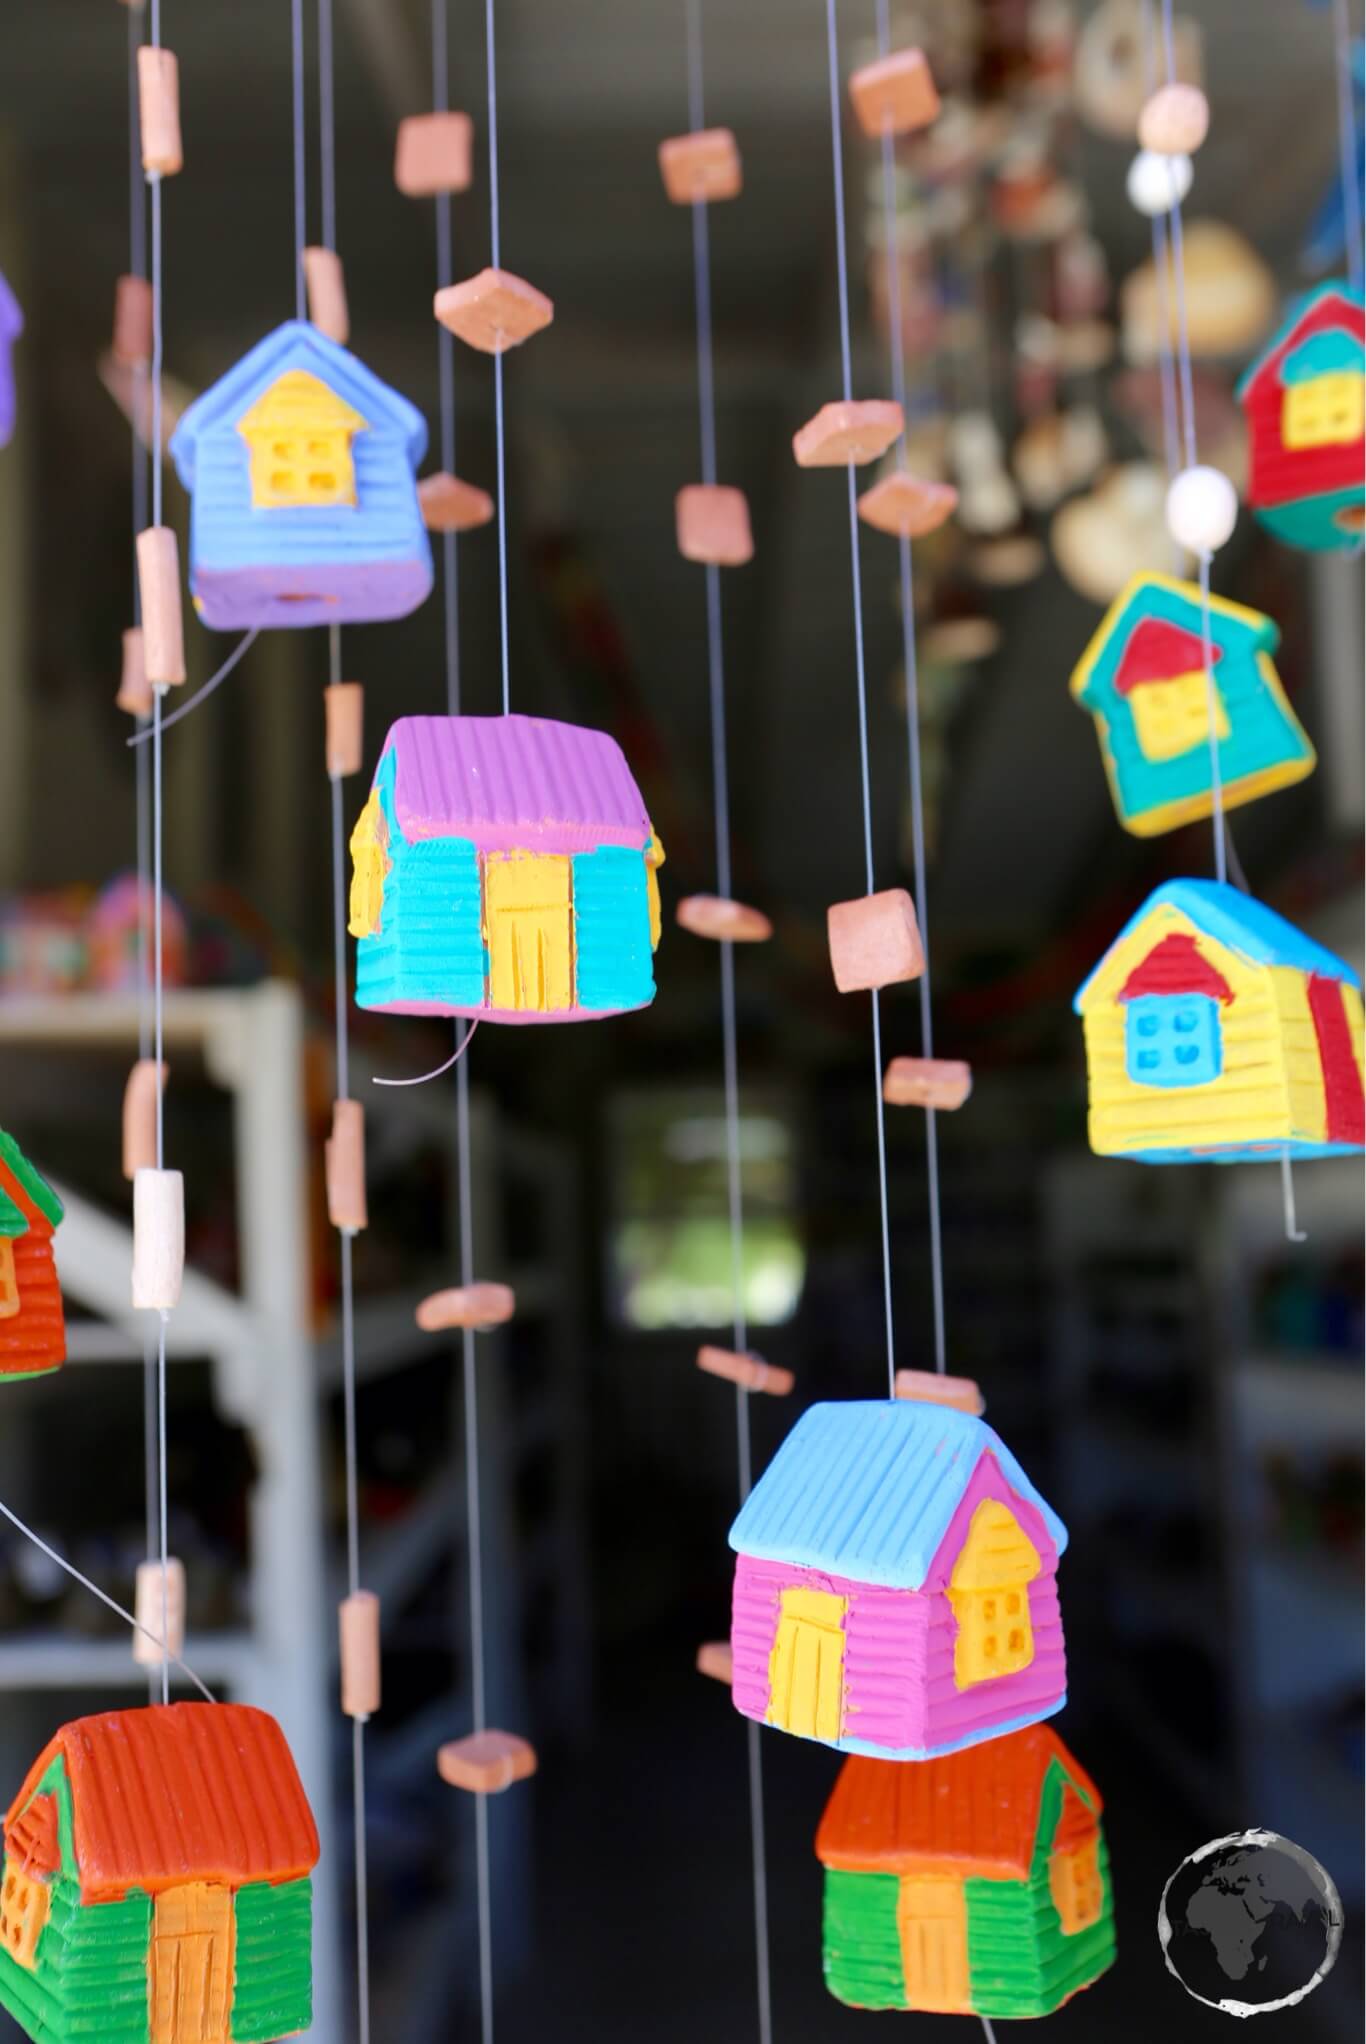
1202	509
1157	183
1175	121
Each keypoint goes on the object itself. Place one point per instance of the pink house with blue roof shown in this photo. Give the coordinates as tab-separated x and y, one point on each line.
896	1588
302	470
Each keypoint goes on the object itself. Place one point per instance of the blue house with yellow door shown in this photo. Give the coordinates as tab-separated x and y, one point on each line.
504	868
1143	679
301	467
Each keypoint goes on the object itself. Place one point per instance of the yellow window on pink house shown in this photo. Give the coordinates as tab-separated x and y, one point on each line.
989	1592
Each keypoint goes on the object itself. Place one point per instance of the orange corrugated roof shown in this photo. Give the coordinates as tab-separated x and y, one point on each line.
31	1842
974	1812
181	1792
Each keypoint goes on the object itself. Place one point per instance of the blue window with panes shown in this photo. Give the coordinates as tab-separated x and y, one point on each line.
1173	1040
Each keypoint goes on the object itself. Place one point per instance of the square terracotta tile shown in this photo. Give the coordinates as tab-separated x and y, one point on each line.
494	311
704	165
842	433
433	154
895	94
905	505
713	525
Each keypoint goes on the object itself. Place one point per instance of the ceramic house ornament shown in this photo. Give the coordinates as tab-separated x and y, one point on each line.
156	1882
976	1884
32	1323
1305	401
11	326
1143	679
896	1590
301	466
504	869
1216	1031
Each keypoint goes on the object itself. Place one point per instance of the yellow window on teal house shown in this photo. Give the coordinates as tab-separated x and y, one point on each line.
1327	411
298	435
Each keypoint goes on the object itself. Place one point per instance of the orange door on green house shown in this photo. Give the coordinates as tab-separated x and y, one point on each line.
191	1965
1342	1092
932	1919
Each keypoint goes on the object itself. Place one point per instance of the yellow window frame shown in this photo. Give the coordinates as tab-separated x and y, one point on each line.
1328	411
989	1593
370	866
298	436
1075	1883
1172	717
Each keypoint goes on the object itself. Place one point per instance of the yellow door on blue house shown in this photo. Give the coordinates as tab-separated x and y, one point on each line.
529	923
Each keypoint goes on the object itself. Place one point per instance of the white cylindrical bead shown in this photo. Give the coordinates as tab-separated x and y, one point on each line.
158	1238
153	1610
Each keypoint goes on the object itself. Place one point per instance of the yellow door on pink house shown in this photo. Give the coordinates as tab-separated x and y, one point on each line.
528	919
190	1971
932	1919
806	1667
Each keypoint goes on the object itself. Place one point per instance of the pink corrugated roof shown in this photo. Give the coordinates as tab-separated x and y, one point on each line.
510	782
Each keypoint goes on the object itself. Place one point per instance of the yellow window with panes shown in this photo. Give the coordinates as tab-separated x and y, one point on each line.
1172	717
1076	1887
298	436
989	1592
1328	411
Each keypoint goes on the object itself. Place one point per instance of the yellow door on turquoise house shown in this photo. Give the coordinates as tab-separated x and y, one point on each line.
528	922
806	1667
190	1972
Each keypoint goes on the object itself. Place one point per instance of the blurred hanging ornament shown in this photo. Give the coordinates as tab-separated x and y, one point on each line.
504	869
1219	431
1230	297
1156	183
11	326
987	500
1059	453
1202	509
1175	121
1111	79
1305	401
1217	1032
1120	527
1143	680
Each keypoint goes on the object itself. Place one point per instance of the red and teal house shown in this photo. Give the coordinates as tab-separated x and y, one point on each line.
1143	679
1305	403
975	1884
896	1585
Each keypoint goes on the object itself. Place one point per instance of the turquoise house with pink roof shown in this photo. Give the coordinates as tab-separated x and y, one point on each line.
505	869
896	1587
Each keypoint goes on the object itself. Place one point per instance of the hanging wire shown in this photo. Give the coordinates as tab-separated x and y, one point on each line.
706	392
911	673
215	681
495	257
860	663
1166	365
1348	142
296	53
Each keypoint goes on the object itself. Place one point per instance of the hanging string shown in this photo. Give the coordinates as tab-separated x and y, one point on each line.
445	347
910	668
300	159
706	391
158	982
214	681
860	664
1166	365
441	1070
327	127
495	256
1348	142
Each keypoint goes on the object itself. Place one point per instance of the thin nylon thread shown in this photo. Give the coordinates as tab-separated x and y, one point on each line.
109	1602
300	158
1348	144
495	250
1166	366
706	392
215	681
464	1173
327	185
911	679
860	663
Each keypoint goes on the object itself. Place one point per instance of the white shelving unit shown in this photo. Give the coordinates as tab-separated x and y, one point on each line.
259	1345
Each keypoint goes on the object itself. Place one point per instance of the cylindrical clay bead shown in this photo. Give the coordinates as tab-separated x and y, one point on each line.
344	707
140	1117
158	1238
358	1617
344	1160
151	1611
159	111
326	281
135	691
132	321
163	632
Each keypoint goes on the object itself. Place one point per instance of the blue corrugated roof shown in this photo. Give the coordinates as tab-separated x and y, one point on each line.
867	1490
1231	917
296	345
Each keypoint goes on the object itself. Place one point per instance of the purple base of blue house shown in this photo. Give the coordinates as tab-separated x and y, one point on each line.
309	593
